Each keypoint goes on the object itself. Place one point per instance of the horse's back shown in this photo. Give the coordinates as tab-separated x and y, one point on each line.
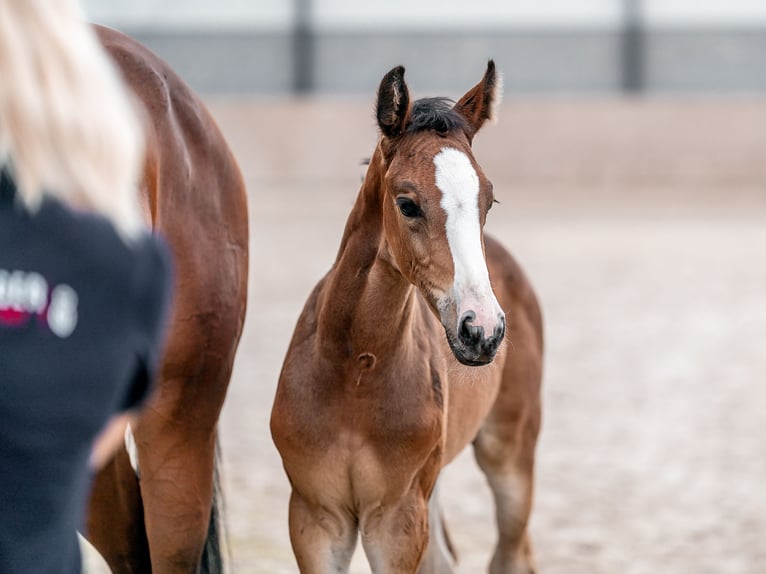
522	362
516	413
513	290
514	376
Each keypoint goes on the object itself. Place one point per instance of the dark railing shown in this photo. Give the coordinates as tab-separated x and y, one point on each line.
304	45
632	65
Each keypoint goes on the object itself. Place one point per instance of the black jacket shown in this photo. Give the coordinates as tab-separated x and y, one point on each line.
82	317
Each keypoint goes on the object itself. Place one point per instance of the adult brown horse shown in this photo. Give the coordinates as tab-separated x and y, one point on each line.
194	195
374	400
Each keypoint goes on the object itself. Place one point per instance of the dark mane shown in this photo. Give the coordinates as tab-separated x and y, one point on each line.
435	114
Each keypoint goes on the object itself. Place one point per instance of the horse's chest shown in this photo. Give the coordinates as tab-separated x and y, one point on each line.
362	466
365	439
371	416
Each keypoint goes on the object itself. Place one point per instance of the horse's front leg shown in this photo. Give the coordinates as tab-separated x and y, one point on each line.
395	537
323	538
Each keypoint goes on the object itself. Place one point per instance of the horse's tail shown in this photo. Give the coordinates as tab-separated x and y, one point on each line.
212	555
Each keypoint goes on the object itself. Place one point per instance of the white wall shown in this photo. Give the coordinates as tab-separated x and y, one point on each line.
419	14
705	13
192	14
470	14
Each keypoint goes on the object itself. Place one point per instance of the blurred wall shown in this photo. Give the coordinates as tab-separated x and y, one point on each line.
275	47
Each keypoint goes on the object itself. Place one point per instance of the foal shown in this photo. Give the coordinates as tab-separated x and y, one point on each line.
374	398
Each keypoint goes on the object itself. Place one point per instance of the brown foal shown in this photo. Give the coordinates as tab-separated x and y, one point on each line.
374	400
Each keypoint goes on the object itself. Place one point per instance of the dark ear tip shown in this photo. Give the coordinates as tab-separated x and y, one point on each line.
393	103
395	74
490	67
394	77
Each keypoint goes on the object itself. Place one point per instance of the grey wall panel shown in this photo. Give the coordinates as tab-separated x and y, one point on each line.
226	62
716	61
542	62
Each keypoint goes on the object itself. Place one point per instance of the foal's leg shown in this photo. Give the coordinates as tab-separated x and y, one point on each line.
440	556
116	518
323	540
505	451
395	537
511	487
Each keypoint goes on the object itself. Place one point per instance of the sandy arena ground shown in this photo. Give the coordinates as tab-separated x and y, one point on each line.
643	227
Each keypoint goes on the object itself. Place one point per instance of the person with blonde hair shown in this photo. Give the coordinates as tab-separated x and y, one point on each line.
84	286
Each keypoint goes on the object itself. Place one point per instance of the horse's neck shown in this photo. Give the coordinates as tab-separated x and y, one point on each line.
366	299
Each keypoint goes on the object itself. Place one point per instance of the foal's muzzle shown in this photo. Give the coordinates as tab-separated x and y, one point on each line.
473	346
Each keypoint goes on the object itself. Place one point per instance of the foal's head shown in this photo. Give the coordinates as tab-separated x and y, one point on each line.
435	205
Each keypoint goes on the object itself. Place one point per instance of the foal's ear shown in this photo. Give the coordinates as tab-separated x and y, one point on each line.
393	107
482	101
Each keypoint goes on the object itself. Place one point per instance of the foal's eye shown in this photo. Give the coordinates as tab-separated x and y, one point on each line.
408	207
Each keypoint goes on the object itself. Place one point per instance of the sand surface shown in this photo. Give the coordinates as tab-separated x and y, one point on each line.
643	228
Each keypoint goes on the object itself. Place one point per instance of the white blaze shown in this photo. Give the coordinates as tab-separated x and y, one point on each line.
459	183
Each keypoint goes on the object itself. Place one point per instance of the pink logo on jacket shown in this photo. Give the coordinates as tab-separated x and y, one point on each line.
27	294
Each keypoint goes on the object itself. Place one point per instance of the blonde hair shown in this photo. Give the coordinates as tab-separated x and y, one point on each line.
68	126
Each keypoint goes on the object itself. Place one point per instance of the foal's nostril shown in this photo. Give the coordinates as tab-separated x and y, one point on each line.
473	336
490	345
470	335
499	331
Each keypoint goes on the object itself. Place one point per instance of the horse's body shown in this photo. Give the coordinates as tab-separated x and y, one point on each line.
194	195
373	400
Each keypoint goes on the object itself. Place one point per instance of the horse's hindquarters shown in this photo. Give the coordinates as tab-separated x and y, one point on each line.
196	198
